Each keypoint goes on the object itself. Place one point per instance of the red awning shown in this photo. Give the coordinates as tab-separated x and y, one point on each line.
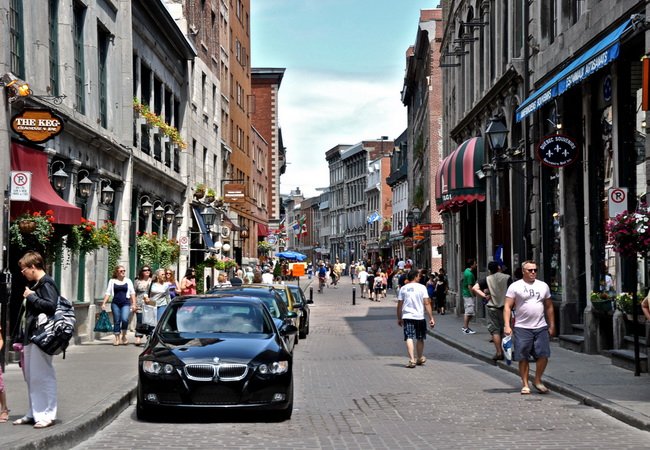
456	180
262	230
44	197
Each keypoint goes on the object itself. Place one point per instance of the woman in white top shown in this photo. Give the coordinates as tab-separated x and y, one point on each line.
159	292
121	290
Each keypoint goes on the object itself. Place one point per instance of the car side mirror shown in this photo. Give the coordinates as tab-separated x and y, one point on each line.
292	315
288	329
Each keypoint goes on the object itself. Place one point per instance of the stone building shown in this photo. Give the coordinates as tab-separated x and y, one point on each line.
561	85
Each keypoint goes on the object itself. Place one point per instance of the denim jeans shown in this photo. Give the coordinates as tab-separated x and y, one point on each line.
160	310
120	317
138	321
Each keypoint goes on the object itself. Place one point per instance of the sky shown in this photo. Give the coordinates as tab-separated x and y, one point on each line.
344	64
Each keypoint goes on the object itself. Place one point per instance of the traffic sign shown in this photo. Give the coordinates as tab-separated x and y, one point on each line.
617	201
184	243
21	186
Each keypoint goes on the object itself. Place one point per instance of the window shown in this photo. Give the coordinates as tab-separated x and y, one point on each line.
204	103
17	45
103	38
53	25
78	45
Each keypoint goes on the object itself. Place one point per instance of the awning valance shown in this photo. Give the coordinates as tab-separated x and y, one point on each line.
590	61
262	230
43	195
456	180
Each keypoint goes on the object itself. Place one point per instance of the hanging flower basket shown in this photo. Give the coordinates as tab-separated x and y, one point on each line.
629	232
601	302
27	226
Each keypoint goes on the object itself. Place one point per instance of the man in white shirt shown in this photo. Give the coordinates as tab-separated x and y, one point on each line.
412	301
267	277
363	279
534	307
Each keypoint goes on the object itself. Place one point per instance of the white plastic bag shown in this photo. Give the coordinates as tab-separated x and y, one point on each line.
506	344
149	315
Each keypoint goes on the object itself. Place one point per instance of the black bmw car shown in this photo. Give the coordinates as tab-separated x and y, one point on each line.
216	352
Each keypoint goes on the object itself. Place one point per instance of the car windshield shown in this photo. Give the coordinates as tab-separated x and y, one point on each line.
271	299
216	317
297	294
284	296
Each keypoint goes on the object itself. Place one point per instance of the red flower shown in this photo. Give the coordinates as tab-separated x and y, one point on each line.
49	212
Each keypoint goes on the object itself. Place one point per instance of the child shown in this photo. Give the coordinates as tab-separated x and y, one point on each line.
4	411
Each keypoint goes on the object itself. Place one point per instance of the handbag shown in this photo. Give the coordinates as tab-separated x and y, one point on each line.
103	324
149	315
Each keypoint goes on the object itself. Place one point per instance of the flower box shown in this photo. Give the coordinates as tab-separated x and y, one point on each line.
602	306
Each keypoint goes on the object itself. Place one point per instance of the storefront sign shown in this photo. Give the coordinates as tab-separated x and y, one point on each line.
37	125
234	192
557	151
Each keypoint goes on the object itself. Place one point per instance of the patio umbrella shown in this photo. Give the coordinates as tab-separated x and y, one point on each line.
293	256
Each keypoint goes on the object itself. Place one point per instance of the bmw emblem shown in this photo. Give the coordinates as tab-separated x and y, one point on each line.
216	360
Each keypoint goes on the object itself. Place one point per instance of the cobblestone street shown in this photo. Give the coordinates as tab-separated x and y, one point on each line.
353	391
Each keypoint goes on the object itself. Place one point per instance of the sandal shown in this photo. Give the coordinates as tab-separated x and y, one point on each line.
24	421
525	390
4	416
421	361
411	365
43	424
541	388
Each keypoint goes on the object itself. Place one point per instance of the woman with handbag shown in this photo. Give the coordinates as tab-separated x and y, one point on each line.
121	290
39	301
188	283
141	285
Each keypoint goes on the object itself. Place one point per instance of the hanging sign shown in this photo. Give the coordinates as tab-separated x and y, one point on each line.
37	125
557	151
617	201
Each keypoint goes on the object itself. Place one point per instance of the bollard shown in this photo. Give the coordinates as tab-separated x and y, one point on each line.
354	296
311	294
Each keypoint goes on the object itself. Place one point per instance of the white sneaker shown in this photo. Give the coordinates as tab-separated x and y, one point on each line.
464	330
469	331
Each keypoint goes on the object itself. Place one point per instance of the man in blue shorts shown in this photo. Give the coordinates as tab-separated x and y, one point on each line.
412	301
534	324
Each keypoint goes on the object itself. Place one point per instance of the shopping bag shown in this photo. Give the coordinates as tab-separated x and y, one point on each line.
103	324
506	344
149	315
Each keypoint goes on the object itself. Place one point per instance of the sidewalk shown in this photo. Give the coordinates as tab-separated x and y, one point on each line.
97	382
590	379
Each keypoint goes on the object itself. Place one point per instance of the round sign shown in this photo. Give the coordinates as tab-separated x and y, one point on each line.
557	151
271	240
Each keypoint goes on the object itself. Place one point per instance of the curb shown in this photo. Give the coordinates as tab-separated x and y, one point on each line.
586	398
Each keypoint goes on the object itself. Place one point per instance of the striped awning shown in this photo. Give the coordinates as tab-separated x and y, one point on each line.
456	180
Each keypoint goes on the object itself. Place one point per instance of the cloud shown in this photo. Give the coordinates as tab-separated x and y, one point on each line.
321	110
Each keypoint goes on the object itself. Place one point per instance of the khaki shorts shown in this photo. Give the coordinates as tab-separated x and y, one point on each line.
495	320
468	302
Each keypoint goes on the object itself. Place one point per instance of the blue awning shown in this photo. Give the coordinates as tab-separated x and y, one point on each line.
592	60
207	236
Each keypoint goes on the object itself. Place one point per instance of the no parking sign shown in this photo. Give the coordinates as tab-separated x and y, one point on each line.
617	201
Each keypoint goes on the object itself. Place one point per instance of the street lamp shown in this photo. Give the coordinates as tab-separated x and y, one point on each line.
496	133
158	211
84	185
146	207
108	193
59	178
209	215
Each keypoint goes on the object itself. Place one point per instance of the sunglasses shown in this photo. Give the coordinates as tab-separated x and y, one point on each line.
146	270
121	271
168	273
531	270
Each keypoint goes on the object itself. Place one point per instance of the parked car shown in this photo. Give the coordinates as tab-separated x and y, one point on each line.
302	303
289	300
273	300
218	351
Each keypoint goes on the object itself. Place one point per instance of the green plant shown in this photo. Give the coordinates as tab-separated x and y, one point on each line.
599	296
83	238
624	302
155	120
156	251
211	192
199	188
108	237
264	247
42	232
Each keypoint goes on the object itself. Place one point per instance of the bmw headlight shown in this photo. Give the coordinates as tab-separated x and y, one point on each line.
275	368
156	368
